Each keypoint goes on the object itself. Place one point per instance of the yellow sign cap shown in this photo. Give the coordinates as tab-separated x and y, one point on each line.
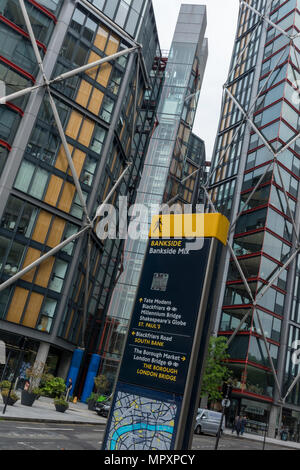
190	226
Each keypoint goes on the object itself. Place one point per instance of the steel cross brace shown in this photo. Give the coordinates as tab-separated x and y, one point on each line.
46	84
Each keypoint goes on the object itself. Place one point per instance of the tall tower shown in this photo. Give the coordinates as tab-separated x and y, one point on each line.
173	167
76	77
254	181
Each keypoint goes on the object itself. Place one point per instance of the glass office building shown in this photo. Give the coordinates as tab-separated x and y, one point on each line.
39	202
254	181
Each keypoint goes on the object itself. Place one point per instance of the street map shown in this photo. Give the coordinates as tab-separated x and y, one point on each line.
140	423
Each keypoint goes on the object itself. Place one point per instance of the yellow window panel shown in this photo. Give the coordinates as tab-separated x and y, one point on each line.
78	289
66	197
101	38
33	310
53	190
128	145
114	199
181	131
74	125
129	106
96	101
42	227
106	188
96	267
86	132
114	161
69	325
78	331
237	72
61	160
112	45
192	185
44	272
122	131
186	135
140	98
92	58
56	232
104	74
78	160
83	93
17	305
31	256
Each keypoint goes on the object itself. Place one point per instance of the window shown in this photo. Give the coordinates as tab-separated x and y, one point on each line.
47	315
39	183
107	109
77	20
8	122
89	168
58	275
3	157
11	255
31	179
24	176
4	298
70	230
19	217
17	49
76	208
122	13
98	140
115	82
52	5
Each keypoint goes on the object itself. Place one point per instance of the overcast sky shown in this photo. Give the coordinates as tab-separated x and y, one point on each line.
222	18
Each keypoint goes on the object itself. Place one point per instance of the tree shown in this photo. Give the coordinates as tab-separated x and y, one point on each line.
102	384
216	372
35	374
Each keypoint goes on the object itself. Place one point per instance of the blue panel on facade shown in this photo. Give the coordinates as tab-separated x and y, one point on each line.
91	374
74	368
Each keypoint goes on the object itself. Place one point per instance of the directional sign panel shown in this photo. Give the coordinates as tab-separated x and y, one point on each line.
164	344
162	328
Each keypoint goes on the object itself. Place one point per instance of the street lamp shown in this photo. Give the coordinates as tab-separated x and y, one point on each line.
17	369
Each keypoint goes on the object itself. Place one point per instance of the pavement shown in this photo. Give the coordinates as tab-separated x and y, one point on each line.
269	440
43	411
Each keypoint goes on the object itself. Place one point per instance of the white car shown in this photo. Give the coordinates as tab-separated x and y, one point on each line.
208	422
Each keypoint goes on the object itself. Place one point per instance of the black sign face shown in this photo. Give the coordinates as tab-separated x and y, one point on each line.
161	333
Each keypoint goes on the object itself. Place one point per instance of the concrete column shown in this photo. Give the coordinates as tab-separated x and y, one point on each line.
64	365
273	421
40	359
42	353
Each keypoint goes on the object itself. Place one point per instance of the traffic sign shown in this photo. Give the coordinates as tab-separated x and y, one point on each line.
225	403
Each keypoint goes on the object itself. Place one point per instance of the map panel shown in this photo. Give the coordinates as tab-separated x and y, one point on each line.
142	422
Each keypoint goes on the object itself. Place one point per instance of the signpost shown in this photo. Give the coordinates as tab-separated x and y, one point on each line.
227	391
157	392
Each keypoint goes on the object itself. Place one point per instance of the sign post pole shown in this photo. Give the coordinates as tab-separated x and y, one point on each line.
157	390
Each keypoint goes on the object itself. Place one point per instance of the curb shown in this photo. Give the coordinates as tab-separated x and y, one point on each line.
287	444
49	420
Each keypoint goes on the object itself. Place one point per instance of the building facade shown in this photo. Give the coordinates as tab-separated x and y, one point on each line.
106	115
254	181
174	169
